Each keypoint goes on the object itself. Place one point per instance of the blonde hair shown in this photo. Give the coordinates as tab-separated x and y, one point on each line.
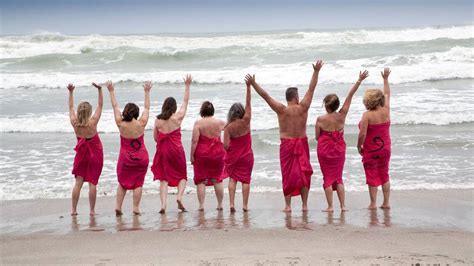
373	98
331	103
84	112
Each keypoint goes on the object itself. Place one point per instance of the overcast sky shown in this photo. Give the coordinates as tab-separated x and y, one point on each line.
146	16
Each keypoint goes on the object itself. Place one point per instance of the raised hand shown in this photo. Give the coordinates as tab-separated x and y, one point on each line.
385	73
363	75
250	79
110	85
319	64
70	87
147	86
97	86
188	80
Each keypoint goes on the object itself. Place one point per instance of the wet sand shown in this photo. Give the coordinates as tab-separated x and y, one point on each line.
424	226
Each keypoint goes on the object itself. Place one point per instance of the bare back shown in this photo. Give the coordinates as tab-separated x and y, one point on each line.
170	125
210	127
238	128
292	121
331	122
378	116
132	129
86	132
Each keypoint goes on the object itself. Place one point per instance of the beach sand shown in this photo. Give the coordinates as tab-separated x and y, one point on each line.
424	226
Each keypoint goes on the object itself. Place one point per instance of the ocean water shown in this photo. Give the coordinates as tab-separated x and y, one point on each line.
432	102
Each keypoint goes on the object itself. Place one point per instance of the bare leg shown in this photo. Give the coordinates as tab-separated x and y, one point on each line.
92	197
342	196
179	197
304	198
373	197
201	191
163	195
137	197
245	196
76	193
219	190
120	196
386	196
287	204
232	188
328	192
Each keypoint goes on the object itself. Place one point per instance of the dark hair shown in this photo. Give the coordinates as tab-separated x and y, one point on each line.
168	109
130	111
291	93
236	111
331	102
207	109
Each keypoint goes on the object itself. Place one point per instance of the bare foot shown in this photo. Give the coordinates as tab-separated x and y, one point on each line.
118	213
232	209
219	208
305	209
343	209
287	209
181	206
385	206
73	213
162	211
245	209
372	207
92	213
137	213
329	209
201	209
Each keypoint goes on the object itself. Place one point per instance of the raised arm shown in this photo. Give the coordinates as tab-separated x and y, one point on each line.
275	105
113	100
72	113
194	140
347	103
308	97
364	122
248	105
386	87
146	110
100	105
184	106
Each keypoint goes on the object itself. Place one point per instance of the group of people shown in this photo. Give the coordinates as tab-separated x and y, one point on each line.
214	160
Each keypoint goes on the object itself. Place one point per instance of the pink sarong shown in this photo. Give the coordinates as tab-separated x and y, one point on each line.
208	161
295	165
132	163
331	156
89	159
169	163
376	154
239	159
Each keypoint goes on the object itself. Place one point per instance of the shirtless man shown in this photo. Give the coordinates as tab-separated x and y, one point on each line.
294	150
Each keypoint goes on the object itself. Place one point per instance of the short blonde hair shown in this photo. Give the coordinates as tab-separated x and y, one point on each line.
84	112
373	98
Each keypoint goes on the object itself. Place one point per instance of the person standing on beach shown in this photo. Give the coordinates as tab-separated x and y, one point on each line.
169	163
133	159
238	143
331	147
374	143
89	157
295	162
207	154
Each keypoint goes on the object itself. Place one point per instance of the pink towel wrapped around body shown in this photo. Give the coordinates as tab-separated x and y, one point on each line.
169	163
133	162
376	154
208	161
295	165
89	159
239	159
331	156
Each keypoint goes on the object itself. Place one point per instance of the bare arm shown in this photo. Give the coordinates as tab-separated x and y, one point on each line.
184	106
155	131
317	129
72	113
386	87
194	140
113	100
347	103
275	105
362	133
226	138
100	105
248	105
308	97
146	110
